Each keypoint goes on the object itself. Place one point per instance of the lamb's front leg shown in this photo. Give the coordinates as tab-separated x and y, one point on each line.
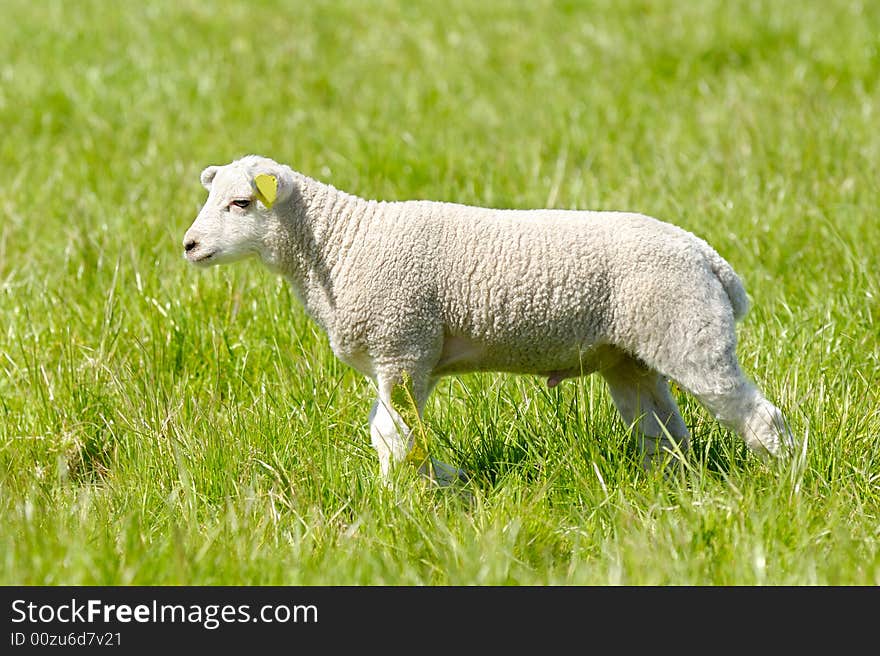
391	437
401	400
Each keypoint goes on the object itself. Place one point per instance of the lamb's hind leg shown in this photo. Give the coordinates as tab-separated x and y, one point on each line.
643	399
704	362
740	405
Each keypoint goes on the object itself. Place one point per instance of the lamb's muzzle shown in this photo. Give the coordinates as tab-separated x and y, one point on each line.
412	291
195	253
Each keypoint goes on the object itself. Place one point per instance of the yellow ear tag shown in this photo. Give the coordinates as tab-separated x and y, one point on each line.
267	189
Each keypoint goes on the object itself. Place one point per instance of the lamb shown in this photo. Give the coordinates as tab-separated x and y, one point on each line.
409	292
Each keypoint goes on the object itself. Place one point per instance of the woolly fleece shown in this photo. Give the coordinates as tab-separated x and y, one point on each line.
422	289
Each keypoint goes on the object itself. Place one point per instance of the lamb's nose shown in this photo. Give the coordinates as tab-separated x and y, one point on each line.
190	244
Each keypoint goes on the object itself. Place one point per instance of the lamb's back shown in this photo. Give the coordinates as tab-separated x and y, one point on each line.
507	273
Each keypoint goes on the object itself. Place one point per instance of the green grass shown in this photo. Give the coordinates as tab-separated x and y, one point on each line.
165	425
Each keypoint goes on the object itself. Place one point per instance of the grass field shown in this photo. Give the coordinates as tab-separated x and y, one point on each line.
165	425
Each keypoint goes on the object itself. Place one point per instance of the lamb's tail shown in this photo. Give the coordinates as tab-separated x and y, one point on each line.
739	300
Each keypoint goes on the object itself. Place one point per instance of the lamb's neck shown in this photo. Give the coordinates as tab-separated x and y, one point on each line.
317	226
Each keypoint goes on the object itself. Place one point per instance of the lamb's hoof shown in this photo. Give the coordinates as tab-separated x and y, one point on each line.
444	475
767	432
660	454
665	463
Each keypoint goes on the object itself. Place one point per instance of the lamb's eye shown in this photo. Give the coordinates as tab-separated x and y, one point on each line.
241	202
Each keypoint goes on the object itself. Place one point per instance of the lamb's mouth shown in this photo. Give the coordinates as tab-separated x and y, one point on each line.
200	258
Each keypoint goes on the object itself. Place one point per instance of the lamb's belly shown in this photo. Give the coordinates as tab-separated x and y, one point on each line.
462	355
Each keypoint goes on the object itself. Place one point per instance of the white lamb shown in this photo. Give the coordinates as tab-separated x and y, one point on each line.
411	291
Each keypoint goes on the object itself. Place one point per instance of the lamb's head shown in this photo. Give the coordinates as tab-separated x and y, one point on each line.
244	198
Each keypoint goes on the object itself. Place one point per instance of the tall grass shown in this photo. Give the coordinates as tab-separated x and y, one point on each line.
162	425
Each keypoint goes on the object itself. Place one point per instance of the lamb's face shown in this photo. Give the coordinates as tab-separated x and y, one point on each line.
232	223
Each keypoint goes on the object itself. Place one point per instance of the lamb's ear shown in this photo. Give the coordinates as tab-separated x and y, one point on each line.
272	185
266	189
208	176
